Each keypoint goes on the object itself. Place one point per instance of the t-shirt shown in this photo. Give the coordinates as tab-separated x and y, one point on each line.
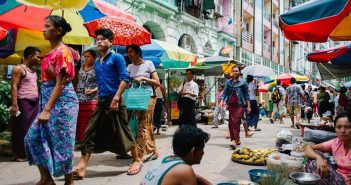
252	91
294	93
143	70
343	160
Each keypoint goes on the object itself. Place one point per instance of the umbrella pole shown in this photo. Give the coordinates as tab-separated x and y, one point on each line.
331	73
216	81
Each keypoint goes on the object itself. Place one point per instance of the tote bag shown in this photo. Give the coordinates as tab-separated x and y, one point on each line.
137	98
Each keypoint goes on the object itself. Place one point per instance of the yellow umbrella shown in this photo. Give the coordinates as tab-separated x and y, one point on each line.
301	78
13	59
57	4
79	34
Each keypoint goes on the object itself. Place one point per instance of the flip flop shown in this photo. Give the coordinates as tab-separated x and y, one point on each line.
233	146
257	129
76	176
151	158
135	172
126	156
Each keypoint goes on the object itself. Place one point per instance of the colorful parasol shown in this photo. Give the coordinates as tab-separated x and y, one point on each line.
285	79
165	54
3	33
330	19
126	32
259	71
339	55
56	4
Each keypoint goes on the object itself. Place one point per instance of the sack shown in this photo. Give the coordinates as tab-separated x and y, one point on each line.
137	98
133	124
276	96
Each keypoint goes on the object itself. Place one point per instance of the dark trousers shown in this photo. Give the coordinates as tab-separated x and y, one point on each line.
187	112
158	112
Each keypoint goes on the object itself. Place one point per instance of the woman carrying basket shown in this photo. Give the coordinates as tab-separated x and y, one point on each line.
143	71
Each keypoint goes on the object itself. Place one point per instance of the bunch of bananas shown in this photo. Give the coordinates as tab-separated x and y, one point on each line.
257	156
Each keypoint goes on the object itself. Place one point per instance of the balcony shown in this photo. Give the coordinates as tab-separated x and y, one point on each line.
190	10
267	51
247	40
248	7
168	3
222	26
267	19
275	55
275	26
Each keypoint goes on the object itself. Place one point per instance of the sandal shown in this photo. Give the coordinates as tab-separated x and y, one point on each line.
136	171
151	157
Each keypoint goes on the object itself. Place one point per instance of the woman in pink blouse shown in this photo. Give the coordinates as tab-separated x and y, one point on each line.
339	148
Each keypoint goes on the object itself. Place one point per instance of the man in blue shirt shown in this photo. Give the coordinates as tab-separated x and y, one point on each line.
108	128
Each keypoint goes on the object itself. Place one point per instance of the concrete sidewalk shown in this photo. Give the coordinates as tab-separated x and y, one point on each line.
104	169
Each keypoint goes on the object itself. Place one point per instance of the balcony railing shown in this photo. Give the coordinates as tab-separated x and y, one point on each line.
266	16
275	23
247	37
266	47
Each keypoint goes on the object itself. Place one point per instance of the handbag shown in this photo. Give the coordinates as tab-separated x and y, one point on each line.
137	98
133	124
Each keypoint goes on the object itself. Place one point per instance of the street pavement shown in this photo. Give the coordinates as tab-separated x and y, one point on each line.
104	169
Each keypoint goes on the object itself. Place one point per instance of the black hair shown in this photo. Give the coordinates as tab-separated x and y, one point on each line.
91	51
60	22
279	82
249	78
30	51
343	114
188	137
292	80
303	86
191	70
322	88
221	85
343	89
136	49
107	33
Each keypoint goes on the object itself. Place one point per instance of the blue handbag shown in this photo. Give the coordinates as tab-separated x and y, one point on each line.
137	98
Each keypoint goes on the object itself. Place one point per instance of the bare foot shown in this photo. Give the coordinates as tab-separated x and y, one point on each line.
79	171
249	135
46	182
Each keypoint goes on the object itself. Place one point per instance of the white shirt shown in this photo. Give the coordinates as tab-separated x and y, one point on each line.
189	87
252	91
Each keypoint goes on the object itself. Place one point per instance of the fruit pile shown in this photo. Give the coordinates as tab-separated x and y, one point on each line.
252	157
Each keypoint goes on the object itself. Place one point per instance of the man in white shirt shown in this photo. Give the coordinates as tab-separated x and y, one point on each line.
189	90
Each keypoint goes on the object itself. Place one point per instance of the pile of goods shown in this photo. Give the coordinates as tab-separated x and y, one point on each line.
252	157
285	164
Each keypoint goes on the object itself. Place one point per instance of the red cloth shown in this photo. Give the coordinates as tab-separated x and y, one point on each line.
342	100
86	109
235	115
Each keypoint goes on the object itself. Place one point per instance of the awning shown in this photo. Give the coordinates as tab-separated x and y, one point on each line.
330	71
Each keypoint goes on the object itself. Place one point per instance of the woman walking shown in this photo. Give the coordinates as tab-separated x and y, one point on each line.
50	140
236	96
143	71
254	116
86	92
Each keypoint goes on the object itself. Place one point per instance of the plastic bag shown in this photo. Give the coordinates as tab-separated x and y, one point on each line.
285	134
133	124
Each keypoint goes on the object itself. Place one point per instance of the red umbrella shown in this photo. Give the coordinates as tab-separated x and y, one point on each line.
324	56
3	33
126	32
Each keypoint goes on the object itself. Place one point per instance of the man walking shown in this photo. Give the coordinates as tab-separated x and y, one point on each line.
277	98
108	128
294	97
25	104
189	90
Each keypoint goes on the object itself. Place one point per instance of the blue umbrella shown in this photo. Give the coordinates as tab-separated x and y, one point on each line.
348	84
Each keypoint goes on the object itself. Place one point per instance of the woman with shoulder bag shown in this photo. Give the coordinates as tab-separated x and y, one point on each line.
143	71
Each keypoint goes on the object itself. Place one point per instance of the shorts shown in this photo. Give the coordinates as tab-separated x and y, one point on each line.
278	108
294	109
